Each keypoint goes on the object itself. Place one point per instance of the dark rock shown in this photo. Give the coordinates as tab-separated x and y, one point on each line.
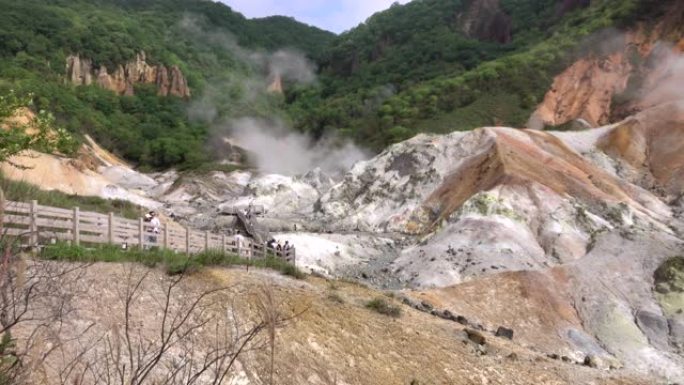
404	164
553	356
462	320
476	336
596	362
677	332
427	305
584	342
504	332
655	327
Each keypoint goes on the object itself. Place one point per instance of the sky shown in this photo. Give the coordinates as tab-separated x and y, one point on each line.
333	15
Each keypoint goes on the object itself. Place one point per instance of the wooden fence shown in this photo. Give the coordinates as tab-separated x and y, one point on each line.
37	225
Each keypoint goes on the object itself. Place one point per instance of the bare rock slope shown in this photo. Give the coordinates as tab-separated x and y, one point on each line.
594	214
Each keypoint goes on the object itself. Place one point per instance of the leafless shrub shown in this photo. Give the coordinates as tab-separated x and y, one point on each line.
196	338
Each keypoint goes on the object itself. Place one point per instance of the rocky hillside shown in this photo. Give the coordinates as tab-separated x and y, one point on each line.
572	239
561	234
566	238
316	347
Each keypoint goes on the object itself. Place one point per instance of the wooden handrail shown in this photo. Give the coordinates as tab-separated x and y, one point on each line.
37	223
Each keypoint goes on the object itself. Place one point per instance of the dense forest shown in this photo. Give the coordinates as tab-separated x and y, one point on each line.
429	65
206	40
444	65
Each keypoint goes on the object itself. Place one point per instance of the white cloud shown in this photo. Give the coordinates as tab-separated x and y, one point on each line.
336	16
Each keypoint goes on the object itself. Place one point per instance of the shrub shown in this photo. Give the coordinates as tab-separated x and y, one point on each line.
334	297
174	263
380	305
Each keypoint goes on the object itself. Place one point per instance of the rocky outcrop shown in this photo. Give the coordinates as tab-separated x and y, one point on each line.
169	80
584	91
79	71
649	149
275	85
485	20
624	74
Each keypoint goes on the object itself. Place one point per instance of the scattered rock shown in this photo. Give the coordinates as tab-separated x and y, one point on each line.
475	336
677	332
504	332
654	326
593	362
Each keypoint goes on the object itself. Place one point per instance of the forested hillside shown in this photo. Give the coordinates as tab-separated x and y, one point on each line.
207	41
429	65
443	65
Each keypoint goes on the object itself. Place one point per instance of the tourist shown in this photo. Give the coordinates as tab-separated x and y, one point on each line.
154	226
239	242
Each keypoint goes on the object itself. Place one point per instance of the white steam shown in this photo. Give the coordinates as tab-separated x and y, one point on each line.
271	145
666	79
277	149
288	64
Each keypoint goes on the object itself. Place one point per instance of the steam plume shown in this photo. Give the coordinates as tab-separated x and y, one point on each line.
277	149
274	147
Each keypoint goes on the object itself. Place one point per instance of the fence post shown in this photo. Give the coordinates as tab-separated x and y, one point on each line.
187	241
77	231
223	243
33	226
206	241
110	234
141	233
166	236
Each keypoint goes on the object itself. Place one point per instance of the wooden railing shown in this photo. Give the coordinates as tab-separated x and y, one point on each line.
37	225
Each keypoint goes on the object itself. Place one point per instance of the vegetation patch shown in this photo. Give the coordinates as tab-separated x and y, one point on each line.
335	297
22	191
669	285
172	262
382	306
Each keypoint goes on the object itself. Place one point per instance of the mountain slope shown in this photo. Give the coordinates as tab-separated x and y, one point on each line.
136	48
438	66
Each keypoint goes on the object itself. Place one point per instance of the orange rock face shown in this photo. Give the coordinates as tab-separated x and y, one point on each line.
653	144
525	157
169	80
644	70
585	91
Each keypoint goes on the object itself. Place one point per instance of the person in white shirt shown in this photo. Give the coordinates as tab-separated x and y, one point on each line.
239	242
155	226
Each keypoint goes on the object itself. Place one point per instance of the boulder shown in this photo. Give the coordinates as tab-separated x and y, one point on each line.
654	326
504	332
475	336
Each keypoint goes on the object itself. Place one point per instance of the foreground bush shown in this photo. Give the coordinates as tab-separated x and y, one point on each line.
173	263
381	306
